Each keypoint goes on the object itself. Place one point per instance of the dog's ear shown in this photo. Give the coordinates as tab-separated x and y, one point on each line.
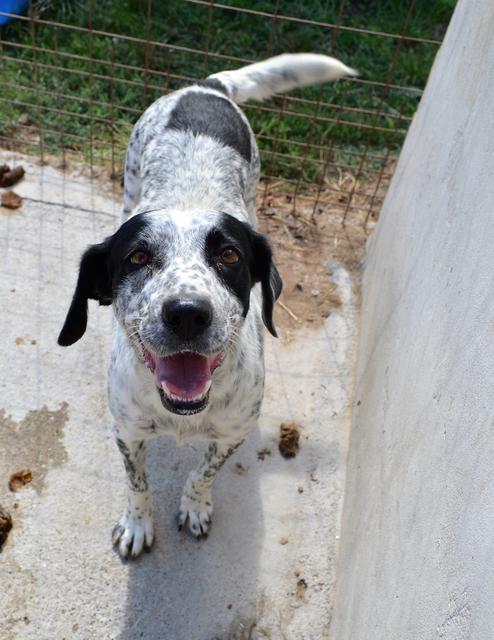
94	282
264	271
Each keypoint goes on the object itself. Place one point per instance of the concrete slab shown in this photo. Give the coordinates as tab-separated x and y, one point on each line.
267	569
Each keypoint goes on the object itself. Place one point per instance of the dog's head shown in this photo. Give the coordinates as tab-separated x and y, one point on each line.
180	284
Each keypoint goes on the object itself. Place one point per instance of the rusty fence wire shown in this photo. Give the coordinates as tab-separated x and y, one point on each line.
76	74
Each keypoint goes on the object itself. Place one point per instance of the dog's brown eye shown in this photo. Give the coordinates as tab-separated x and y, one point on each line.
139	258
229	256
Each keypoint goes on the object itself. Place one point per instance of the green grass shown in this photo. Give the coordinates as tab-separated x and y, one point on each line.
179	23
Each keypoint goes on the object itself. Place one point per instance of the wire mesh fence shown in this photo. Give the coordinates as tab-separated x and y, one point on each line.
76	75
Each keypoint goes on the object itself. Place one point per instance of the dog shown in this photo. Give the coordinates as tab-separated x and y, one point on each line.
191	281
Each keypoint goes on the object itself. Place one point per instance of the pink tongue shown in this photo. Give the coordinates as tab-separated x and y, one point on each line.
186	375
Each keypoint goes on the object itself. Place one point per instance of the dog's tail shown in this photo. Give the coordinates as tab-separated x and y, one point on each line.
278	75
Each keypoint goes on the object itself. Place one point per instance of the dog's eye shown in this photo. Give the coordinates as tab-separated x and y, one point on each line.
229	256
139	258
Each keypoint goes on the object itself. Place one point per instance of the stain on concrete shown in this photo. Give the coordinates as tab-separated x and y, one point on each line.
8	212
34	443
21	585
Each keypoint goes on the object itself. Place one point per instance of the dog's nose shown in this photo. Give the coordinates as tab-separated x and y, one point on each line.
187	318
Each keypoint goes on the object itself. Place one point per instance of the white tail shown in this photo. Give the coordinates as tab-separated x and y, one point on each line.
280	74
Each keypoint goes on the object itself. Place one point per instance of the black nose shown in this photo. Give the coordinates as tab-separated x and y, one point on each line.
187	318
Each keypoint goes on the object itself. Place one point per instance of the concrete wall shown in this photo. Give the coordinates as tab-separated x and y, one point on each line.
417	546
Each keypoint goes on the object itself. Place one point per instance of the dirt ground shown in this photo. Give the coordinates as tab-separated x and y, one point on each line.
307	243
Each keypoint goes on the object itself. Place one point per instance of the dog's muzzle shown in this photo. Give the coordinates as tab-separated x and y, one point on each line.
184	378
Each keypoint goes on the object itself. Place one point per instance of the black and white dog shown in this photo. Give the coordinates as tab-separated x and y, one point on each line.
187	356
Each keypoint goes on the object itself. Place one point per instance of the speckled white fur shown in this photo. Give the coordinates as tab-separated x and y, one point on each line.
183	178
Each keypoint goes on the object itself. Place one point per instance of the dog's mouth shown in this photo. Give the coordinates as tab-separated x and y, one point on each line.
183	379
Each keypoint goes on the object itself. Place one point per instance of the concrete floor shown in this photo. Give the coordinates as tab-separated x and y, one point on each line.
267	569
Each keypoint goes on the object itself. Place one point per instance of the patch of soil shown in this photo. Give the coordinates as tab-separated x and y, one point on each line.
307	240
289	438
9	177
19	479
10	200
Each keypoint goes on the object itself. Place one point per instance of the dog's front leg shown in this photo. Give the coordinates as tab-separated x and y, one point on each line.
196	504
135	529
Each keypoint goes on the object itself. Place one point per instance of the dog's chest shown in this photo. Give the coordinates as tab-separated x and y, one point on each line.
233	408
234	405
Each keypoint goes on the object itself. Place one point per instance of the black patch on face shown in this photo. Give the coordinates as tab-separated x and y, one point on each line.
126	240
255	264
210	115
237	277
102	268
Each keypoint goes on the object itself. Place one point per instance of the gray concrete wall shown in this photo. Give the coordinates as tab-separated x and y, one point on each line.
417	546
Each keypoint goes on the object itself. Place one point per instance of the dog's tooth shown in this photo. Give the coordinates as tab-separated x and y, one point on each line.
167	391
173	396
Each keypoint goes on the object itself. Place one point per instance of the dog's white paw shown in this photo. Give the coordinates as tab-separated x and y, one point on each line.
196	514
133	534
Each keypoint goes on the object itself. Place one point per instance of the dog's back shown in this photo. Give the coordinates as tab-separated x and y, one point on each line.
196	147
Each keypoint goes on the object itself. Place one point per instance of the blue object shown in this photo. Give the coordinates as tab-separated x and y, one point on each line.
12	6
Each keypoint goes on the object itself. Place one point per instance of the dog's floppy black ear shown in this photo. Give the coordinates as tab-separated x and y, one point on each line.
94	282
265	272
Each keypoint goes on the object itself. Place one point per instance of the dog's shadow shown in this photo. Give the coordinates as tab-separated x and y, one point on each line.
198	590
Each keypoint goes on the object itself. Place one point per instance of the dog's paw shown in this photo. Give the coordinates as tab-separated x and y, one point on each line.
133	534
196	514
